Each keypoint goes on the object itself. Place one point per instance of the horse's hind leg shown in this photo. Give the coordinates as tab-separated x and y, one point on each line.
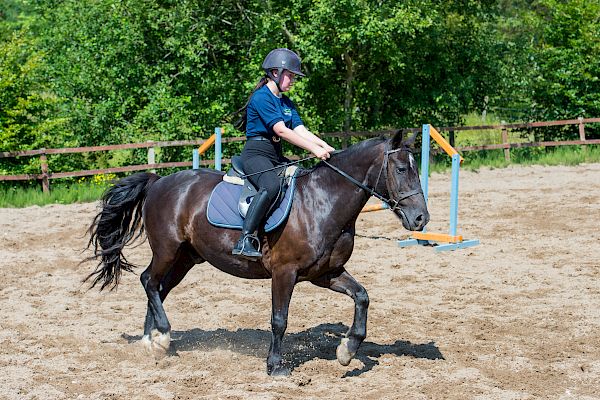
158	279
173	277
341	281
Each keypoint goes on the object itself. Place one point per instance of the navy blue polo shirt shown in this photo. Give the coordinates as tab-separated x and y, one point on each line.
265	110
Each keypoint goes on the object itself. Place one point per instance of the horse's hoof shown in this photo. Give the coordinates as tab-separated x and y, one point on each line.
146	343
160	342
344	355
279	370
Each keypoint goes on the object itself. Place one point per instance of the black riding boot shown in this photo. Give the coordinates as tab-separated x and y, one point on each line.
249	244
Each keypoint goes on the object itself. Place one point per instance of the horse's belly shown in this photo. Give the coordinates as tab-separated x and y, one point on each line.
240	268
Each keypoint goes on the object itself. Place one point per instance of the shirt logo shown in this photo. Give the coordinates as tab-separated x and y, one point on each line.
287	111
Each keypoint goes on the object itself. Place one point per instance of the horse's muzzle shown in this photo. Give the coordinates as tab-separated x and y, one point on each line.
413	221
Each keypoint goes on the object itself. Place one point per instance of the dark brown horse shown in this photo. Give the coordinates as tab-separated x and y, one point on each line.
313	245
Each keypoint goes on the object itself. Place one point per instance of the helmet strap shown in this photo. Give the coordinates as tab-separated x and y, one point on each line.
274	79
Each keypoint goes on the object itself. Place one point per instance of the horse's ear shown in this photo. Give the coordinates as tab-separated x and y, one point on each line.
397	139
410	140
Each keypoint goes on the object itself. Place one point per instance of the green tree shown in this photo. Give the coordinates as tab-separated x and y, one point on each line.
376	64
108	71
27	107
566	67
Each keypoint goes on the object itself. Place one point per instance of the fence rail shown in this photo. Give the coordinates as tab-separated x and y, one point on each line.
46	175
504	128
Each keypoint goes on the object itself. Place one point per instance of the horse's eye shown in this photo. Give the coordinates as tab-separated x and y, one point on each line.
400	170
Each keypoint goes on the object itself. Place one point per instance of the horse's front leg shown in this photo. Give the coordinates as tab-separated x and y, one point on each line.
282	286
341	281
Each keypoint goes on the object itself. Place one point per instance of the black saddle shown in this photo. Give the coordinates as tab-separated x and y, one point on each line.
236	176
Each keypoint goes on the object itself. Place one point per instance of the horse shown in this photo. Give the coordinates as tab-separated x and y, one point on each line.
312	245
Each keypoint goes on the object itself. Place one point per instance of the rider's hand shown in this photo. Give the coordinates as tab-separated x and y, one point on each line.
329	148
321	153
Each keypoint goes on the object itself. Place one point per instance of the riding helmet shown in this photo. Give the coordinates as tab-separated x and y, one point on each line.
282	59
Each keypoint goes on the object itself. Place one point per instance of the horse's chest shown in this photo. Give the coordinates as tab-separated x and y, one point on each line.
329	258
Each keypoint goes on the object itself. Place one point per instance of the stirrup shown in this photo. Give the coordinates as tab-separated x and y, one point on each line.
243	252
254	238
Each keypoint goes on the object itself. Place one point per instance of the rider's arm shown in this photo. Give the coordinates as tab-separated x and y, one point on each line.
305	133
299	140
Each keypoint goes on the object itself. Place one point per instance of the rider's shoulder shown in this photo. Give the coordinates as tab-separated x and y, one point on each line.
261	95
263	92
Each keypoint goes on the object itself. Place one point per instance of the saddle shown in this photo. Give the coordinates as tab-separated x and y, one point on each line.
230	199
234	176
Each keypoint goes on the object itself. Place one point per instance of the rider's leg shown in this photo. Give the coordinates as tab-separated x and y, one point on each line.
248	245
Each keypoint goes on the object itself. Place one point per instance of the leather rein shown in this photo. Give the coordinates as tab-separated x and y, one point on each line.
393	204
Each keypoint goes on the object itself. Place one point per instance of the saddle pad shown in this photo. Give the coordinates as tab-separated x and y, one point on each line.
222	210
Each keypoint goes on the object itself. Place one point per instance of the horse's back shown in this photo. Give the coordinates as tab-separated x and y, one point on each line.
175	219
176	199
184	183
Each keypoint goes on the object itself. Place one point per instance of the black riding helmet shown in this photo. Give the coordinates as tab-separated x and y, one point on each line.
282	59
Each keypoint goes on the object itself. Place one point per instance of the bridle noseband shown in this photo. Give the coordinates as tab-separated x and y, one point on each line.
393	204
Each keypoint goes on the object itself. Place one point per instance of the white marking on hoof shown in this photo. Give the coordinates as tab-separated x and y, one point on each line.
160	342
343	354
146	343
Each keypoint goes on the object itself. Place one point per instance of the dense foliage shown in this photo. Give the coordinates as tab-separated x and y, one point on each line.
88	72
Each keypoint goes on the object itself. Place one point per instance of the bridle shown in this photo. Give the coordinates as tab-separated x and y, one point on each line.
392	203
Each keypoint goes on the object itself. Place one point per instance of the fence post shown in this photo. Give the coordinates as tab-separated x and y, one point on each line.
44	166
151	156
505	142
581	129
218	151
195	159
452	138
582	134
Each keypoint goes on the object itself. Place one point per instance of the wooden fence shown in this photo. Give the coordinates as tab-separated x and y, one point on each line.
503	128
46	175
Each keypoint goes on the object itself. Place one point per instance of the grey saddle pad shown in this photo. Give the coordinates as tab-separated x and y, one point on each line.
222	210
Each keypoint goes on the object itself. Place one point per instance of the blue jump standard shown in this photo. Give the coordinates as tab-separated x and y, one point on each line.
439	247
426	142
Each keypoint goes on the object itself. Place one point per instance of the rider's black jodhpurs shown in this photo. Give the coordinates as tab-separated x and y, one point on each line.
258	156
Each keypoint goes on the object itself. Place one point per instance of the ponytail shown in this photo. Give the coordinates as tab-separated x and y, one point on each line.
240	124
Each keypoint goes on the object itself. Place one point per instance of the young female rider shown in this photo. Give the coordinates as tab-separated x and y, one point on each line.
270	116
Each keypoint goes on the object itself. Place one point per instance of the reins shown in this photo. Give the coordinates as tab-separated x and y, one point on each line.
278	167
367	189
371	191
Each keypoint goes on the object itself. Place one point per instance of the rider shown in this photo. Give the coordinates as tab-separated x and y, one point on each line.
267	117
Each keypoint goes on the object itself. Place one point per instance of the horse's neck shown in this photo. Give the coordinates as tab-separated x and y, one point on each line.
363	165
336	194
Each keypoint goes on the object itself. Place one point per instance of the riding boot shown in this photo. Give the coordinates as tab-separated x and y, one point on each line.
248	246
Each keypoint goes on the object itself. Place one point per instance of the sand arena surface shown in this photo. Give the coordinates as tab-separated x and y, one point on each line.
517	317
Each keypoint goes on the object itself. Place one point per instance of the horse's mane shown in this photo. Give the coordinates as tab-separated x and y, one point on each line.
355	149
359	147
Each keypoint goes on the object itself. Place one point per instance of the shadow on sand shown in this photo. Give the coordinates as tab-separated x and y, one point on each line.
319	342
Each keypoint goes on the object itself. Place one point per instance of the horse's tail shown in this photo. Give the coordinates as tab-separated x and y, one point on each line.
117	224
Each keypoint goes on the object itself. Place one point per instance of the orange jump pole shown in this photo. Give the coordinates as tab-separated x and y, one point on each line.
374	207
214	139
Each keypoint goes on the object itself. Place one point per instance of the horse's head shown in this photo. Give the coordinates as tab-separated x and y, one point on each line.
403	183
